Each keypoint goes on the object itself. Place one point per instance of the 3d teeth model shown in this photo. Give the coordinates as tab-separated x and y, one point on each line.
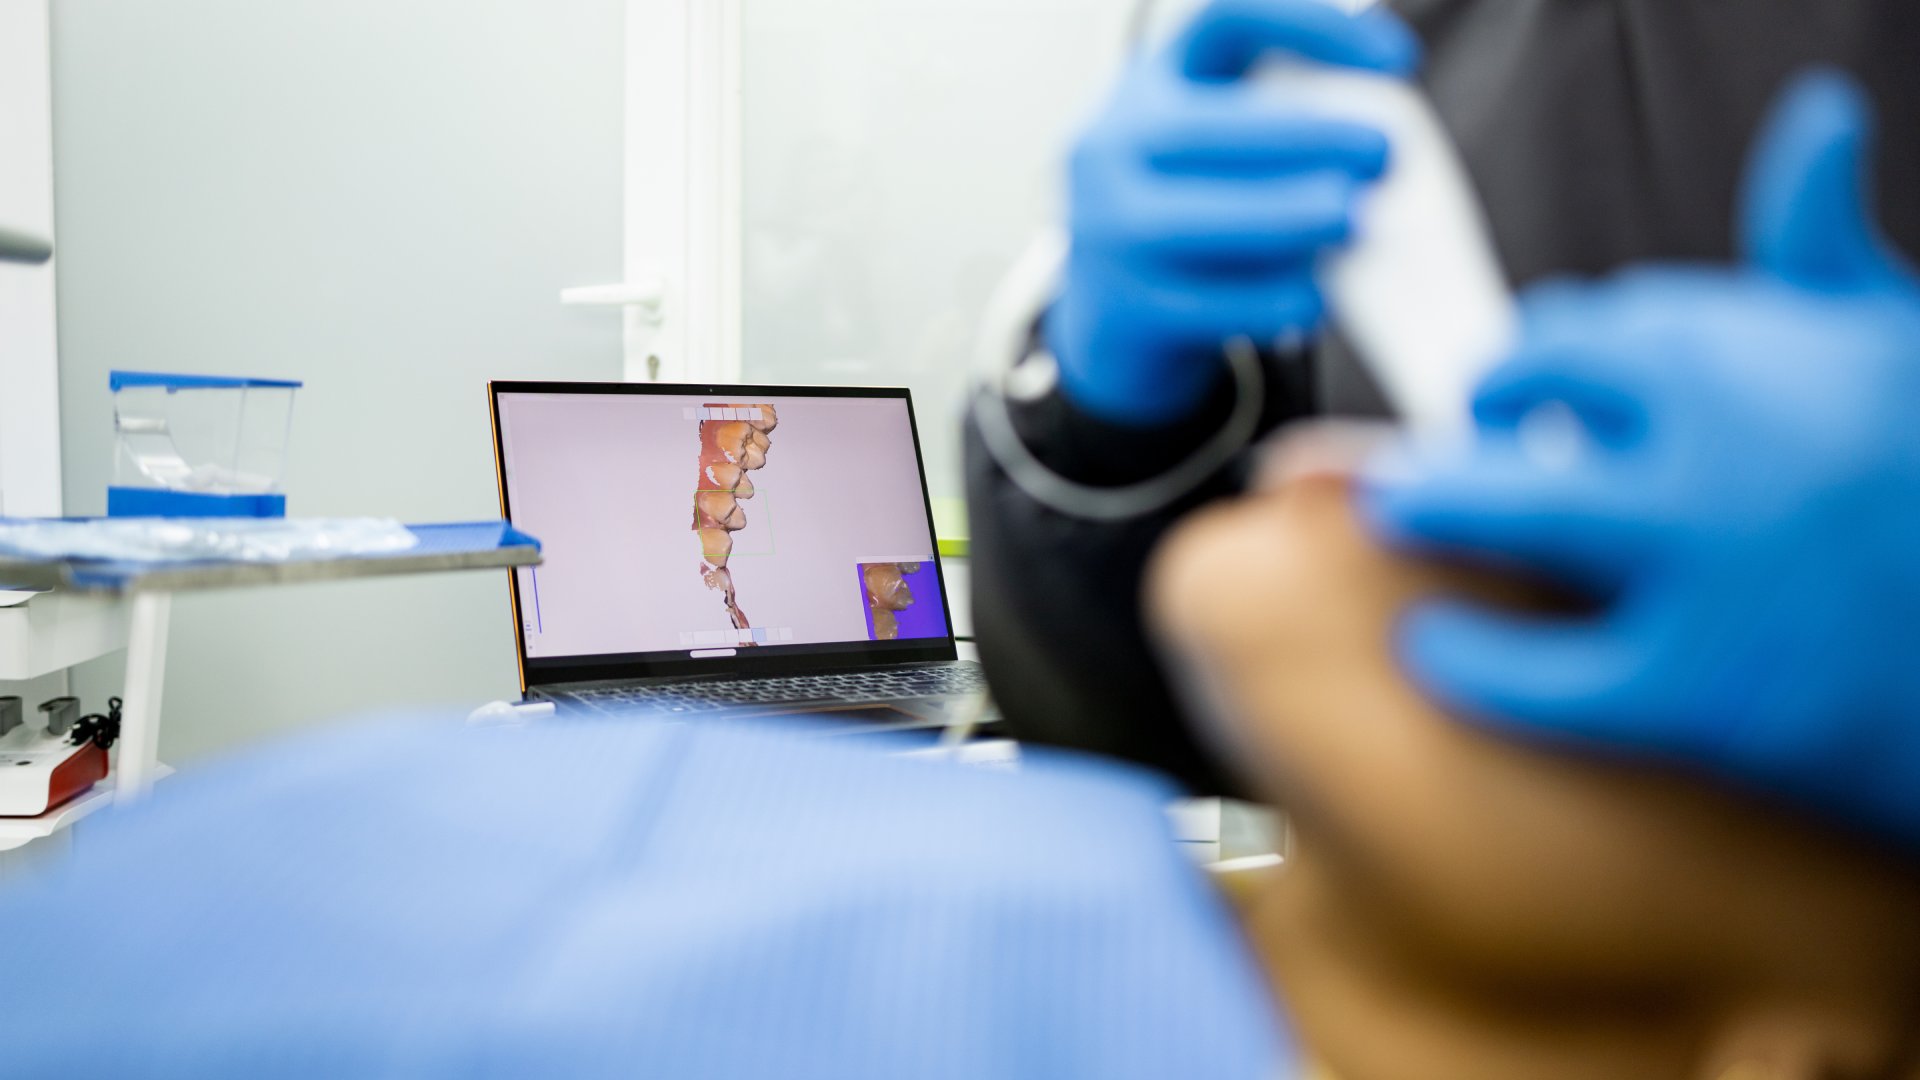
730	449
887	593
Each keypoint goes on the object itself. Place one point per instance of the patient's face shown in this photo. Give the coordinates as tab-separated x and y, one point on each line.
1459	905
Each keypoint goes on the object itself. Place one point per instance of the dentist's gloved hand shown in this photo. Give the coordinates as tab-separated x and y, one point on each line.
1197	206
1745	510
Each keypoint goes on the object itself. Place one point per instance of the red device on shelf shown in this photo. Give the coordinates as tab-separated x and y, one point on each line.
41	768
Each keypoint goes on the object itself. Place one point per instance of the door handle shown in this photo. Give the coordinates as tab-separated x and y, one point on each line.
647	296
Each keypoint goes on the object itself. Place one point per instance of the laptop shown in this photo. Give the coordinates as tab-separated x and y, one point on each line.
726	550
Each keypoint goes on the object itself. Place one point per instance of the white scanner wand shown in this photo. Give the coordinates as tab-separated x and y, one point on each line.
1419	293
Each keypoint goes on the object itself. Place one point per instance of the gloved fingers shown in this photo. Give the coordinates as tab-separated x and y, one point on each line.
1607	414
1127	372
1232	136
1169	312
1807	215
1575	318
1158	361
1499	506
1228	37
1576	311
1533	674
1208	313
1237	226
1593	386
1581	346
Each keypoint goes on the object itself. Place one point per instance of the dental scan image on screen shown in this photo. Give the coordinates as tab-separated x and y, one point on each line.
711	525
733	444
903	600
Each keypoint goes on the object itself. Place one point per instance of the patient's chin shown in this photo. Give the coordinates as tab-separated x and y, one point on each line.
1464	904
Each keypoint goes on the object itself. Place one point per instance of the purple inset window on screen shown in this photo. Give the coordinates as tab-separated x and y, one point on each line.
902	599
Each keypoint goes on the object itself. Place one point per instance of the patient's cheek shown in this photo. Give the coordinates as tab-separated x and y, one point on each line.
730	449
1186	573
1235	585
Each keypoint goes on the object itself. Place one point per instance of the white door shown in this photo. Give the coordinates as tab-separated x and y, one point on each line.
681	296
29	366
826	191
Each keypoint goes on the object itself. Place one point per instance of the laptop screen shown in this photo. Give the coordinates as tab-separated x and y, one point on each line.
688	529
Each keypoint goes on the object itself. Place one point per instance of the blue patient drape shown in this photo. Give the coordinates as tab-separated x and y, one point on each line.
423	899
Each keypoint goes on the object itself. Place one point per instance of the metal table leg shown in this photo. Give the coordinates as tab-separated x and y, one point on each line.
139	750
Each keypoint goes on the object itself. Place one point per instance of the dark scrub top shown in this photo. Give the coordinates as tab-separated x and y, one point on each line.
1598	133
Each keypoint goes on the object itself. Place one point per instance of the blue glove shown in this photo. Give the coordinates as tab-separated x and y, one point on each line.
1742	501
1197	207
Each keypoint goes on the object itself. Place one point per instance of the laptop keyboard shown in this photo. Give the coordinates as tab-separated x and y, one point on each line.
852	686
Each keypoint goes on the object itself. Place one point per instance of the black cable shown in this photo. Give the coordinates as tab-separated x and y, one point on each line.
104	730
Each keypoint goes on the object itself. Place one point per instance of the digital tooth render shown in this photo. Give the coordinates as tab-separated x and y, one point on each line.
733	444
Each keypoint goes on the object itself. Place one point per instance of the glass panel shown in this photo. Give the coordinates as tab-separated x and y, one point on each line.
898	155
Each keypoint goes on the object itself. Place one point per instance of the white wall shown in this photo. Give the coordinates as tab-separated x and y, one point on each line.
383	198
898	154
29	370
29	413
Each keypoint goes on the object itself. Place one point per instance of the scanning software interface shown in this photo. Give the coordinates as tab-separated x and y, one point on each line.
708	525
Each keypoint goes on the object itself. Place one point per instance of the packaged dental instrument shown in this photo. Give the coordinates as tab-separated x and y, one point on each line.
199	445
